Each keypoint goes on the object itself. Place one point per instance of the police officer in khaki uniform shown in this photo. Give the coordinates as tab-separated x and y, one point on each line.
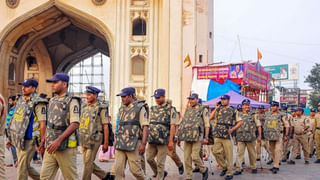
173	153
263	143
289	143
161	132
246	136
311	132
61	132
2	127
193	127
273	130
132	135
226	121
301	126
317	134
93	130
27	128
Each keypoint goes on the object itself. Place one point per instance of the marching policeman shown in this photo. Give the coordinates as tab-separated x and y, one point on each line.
132	135
193	127
226	121
61	137
317	134
301	126
2	127
246	136
289	143
273	132
93	130
161	132
311	132
27	128
263	143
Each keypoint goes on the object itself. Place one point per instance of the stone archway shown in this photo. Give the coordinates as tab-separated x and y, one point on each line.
56	36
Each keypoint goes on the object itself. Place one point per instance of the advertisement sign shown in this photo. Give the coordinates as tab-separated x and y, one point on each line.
236	71
293	72
214	72
256	76
278	72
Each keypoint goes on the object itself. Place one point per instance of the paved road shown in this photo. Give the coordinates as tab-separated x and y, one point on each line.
300	171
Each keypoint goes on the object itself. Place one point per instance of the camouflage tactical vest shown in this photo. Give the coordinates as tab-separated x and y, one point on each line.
224	120
159	127
191	127
21	119
59	120
271	127
247	131
262	118
129	131
91	127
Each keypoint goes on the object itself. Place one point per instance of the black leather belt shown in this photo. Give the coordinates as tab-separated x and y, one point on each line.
318	128
53	126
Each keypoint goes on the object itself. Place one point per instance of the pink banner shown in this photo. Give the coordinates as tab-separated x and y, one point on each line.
221	72
255	76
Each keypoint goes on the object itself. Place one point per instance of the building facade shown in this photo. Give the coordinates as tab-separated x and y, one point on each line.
146	41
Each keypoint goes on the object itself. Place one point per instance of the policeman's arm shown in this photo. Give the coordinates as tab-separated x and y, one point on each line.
213	113
41	113
145	135
286	125
239	123
105	120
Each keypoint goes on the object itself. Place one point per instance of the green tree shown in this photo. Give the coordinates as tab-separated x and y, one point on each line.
313	79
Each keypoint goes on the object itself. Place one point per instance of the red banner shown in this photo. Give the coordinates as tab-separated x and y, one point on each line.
255	76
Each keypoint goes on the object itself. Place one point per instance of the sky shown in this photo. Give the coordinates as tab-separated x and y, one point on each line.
285	31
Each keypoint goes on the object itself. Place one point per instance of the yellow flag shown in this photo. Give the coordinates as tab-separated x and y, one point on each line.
259	54
187	60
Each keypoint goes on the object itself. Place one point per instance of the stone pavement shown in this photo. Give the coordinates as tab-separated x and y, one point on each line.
300	171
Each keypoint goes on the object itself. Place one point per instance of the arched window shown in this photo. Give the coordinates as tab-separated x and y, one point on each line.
138	65
12	72
139	27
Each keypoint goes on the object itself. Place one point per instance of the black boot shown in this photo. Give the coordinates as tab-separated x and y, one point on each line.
291	162
237	173
196	170
205	175
270	162
317	161
181	170
223	172
298	157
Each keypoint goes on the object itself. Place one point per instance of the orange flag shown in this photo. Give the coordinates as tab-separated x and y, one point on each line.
187	60
259	54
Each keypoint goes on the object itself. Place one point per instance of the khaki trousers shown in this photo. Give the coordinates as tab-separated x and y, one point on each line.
191	154
88	157
303	141
24	160
2	155
275	148
310	143
317	142
223	150
251	152
265	145
134	160
159	151
66	160
286	148
174	156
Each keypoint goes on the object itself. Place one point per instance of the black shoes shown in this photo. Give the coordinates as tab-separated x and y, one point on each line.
254	171
181	170
291	162
258	159
270	162
317	161
205	175
223	172
283	160
298	157
109	177
228	177
306	162
274	170
237	173
196	170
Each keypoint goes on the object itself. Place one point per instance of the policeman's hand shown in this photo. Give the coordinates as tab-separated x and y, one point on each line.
285	138
105	148
142	149
205	141
179	143
175	140
52	148
230	131
170	145
259	139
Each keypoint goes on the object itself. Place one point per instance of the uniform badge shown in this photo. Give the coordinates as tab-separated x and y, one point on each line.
43	110
174	115
76	109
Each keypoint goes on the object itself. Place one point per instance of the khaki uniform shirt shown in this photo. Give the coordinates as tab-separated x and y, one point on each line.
317	121
300	123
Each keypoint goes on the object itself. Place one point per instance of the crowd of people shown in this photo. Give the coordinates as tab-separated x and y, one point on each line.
54	128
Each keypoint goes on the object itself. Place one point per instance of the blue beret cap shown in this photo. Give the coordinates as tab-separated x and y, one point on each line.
126	92
29	82
193	96
92	90
158	93
246	101
225	97
274	103
59	77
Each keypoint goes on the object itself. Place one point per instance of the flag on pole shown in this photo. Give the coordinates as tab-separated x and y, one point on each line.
187	60
259	54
